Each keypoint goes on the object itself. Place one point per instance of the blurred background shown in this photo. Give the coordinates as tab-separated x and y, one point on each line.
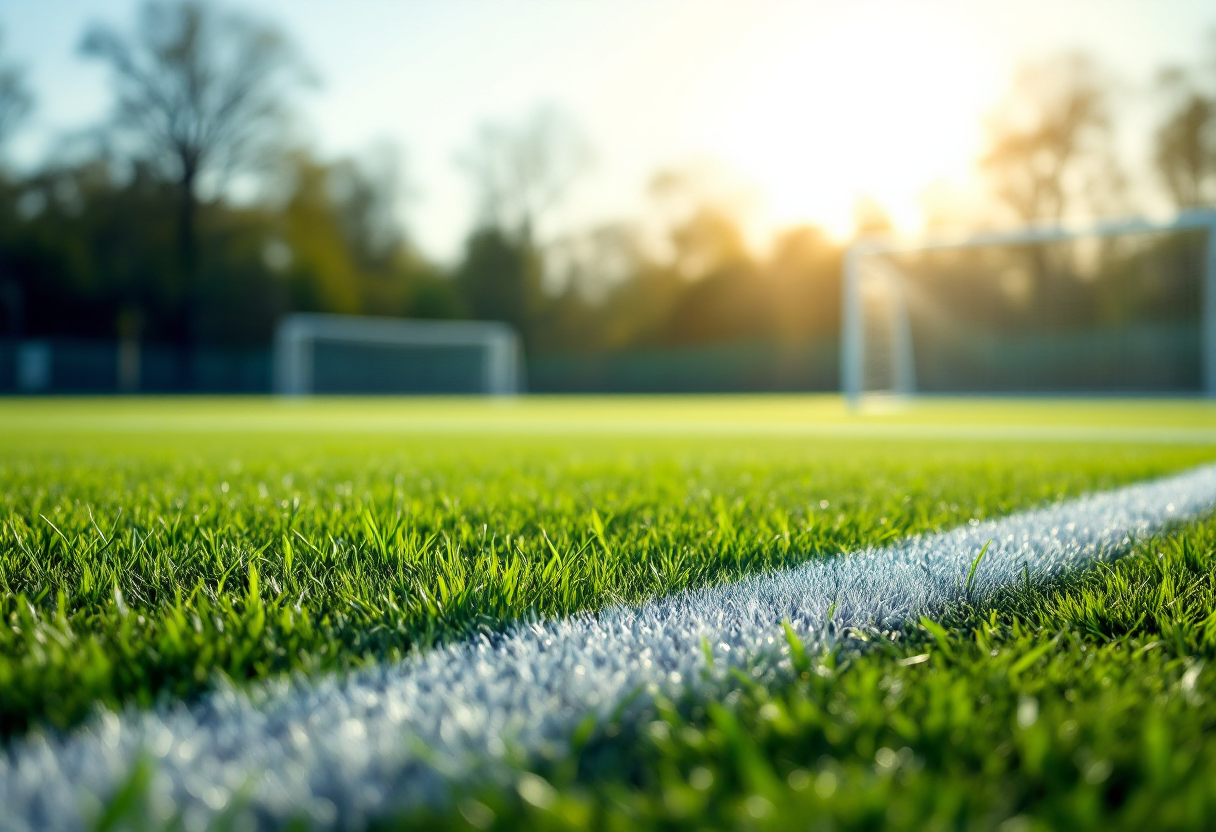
655	196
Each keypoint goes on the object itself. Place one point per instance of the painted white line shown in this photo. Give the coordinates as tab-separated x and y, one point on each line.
342	750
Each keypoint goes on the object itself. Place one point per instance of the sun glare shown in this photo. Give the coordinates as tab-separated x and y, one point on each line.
879	105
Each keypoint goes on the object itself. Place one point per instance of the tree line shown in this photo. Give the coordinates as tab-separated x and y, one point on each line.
138	228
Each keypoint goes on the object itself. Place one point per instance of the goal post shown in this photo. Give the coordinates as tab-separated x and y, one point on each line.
878	345
347	354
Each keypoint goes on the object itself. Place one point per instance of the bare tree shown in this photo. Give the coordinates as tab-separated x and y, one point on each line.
1050	144
1185	148
15	100
199	92
520	172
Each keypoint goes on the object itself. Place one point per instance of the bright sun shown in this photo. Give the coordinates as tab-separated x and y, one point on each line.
878	102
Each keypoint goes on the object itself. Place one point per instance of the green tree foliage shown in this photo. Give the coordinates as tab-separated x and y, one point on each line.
500	278
691	279
1185	150
87	244
80	244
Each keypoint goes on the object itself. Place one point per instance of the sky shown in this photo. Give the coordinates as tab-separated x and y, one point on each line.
812	105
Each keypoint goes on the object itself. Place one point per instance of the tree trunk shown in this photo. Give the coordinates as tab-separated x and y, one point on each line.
187	263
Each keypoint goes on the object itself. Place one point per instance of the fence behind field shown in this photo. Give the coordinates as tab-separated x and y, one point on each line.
1144	360
81	366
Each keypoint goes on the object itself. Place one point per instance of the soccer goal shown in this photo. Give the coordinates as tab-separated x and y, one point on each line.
1117	307
341	354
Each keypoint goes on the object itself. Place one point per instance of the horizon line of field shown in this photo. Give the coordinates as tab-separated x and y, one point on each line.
457	425
343	750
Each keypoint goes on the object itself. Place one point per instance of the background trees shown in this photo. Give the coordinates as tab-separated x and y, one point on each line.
1050	148
15	100
143	233
519	174
144	236
1185	148
200	93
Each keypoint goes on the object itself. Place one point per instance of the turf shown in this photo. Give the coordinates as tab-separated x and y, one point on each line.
1085	704
1150	420
147	549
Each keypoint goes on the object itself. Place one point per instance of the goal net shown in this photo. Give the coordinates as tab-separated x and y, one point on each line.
340	354
1126	307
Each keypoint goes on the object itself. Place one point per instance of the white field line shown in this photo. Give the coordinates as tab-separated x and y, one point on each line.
340	750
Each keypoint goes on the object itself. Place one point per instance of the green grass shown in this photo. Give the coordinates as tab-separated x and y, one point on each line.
1087	704
147	548
1192	420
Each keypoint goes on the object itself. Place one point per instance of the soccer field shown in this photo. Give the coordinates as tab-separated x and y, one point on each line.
154	552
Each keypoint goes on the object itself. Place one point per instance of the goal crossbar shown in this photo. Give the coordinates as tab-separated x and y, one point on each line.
852	352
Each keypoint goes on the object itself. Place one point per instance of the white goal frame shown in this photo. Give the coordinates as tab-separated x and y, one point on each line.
296	334
858	255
